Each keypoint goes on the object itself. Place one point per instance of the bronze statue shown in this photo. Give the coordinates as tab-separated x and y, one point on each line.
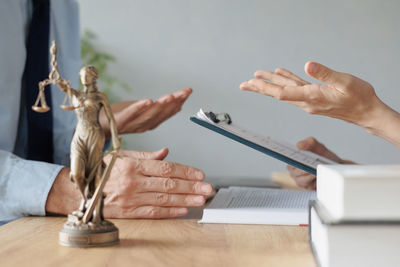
86	226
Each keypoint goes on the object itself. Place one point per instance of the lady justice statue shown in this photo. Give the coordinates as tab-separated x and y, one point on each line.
85	226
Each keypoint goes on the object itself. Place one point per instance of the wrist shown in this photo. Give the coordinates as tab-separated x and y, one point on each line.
373	118
383	122
63	197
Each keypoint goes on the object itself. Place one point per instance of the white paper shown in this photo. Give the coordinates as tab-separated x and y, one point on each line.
305	157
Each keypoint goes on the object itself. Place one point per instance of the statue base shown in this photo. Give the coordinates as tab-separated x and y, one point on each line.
77	234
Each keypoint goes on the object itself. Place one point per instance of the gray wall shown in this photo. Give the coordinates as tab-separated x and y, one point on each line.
213	46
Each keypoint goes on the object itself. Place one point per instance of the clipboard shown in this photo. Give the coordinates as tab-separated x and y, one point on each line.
288	153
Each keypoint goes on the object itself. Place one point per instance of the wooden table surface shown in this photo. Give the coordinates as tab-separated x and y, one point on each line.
33	241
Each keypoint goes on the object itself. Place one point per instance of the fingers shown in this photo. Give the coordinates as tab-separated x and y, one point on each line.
327	75
164	108
312	144
302	178
165	99
146	118
261	87
312	185
275	78
143	212
172	185
305	181
183	94
290	75
124	112
281	84
132	111
141	123
165	200
151	212
174	107
156	155
169	170
171	108
285	93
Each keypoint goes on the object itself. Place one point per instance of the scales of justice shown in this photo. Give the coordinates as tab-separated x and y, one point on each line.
86	226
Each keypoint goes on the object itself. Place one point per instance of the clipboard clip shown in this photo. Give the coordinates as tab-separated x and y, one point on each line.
219	117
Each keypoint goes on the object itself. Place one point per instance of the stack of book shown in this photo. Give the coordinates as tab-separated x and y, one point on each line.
355	220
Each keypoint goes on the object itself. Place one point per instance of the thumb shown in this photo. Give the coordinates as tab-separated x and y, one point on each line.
326	75
156	155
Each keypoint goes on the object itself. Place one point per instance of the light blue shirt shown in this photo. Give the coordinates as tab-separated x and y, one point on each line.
25	184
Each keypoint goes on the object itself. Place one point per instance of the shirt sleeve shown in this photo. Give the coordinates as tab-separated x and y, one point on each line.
24	186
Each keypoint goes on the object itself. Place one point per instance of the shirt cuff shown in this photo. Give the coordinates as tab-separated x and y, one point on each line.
26	187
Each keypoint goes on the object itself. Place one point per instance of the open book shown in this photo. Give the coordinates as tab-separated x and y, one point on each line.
281	150
249	205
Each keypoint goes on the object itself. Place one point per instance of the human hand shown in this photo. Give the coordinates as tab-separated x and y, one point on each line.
343	95
143	186
305	179
146	114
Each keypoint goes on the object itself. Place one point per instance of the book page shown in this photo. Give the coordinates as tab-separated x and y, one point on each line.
248	205
248	197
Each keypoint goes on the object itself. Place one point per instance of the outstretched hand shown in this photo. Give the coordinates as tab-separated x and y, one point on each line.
305	179
343	95
146	114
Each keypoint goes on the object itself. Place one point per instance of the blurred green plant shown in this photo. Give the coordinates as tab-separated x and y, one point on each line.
91	55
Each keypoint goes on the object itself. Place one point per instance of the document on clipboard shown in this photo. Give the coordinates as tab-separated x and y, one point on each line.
288	153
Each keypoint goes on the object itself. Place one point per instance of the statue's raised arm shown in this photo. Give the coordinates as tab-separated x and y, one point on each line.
54	78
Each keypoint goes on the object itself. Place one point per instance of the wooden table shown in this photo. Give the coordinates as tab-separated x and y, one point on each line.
33	241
